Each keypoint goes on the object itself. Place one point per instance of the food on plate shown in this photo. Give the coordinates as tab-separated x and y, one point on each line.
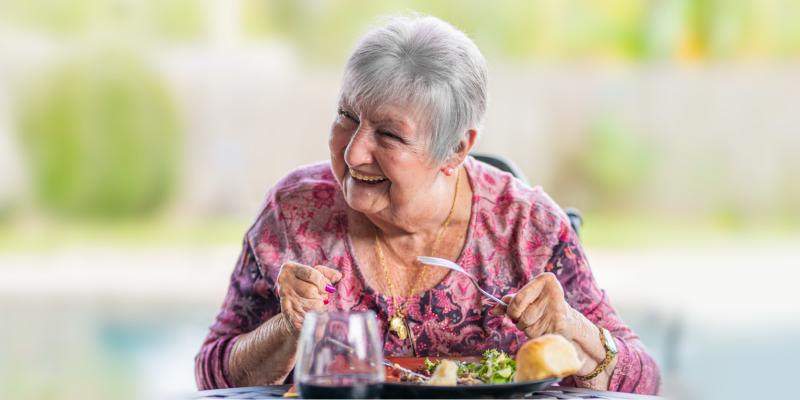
547	356
495	367
445	374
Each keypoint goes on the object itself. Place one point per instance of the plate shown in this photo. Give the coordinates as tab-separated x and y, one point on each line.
398	390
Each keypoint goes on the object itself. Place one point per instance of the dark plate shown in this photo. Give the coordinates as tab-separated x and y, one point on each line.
416	390
398	390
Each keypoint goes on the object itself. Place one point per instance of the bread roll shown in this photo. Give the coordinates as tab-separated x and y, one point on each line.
547	356
446	374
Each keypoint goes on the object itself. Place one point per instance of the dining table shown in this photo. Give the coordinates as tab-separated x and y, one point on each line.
554	392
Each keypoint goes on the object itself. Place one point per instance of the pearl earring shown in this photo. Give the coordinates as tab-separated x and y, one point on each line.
448	171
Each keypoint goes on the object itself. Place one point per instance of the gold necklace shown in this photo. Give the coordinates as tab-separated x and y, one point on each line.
397	321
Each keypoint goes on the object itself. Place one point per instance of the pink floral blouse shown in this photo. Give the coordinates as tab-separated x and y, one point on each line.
513	233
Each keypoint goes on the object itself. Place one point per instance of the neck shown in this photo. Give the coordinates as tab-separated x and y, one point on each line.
424	219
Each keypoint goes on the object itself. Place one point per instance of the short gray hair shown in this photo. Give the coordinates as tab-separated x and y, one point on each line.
428	63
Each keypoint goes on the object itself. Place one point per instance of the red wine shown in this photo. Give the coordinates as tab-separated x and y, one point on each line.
340	387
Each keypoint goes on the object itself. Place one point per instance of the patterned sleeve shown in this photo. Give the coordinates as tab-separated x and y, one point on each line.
636	371
249	302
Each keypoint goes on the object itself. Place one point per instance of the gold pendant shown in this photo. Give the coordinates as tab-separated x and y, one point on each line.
397	326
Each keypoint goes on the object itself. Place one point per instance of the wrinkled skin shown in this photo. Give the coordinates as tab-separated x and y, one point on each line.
265	356
540	308
302	289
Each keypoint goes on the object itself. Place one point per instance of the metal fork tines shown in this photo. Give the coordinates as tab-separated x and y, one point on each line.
441	262
385	362
406	370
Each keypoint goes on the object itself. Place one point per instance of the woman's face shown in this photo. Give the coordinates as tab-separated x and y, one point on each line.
381	161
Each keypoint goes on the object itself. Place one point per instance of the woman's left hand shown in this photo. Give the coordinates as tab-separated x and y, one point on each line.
540	308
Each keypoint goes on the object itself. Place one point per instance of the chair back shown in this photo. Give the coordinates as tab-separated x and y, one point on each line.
507	165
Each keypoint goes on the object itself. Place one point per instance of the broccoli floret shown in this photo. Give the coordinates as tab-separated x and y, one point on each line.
430	365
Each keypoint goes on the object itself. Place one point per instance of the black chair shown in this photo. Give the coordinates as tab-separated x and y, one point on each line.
507	165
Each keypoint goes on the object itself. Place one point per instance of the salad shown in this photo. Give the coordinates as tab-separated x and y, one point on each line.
495	367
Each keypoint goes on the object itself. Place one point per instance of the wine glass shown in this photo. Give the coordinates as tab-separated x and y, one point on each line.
339	355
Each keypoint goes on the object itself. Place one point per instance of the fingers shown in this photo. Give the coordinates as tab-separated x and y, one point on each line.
306	290
526	296
296	288
331	274
500	309
539	328
302	306
312	276
538	308
303	289
532	314
295	309
320	276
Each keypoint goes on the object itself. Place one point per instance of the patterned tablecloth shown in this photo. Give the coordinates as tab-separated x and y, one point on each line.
272	392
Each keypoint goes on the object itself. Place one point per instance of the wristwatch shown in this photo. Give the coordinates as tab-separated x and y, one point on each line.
611	352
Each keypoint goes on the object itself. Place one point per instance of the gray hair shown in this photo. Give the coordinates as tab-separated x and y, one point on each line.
426	62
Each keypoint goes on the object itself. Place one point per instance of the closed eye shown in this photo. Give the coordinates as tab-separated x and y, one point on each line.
348	115
391	135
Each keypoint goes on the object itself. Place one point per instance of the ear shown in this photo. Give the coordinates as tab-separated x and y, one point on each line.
462	150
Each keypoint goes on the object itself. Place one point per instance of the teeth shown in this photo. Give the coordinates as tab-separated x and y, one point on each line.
367	178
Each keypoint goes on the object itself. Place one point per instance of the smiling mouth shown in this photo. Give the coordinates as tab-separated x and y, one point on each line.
366	178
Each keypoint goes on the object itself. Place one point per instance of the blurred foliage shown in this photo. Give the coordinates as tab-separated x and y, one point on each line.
101	136
515	29
615	162
162	19
62	17
617	30
621	30
625	230
6	211
176	19
605	169
129	233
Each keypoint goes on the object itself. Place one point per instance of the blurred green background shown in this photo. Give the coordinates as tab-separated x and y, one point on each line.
138	138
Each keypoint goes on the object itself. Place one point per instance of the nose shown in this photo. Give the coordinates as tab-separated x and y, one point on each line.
359	149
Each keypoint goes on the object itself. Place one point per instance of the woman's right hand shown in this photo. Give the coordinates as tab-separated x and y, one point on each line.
302	289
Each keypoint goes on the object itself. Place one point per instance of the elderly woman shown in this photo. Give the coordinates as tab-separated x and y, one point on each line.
344	234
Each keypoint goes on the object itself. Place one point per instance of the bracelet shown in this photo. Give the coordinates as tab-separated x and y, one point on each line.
611	353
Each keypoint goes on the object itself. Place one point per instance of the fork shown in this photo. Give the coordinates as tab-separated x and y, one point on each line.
386	363
441	262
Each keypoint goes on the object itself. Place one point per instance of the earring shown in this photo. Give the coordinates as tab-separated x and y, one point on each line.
448	171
